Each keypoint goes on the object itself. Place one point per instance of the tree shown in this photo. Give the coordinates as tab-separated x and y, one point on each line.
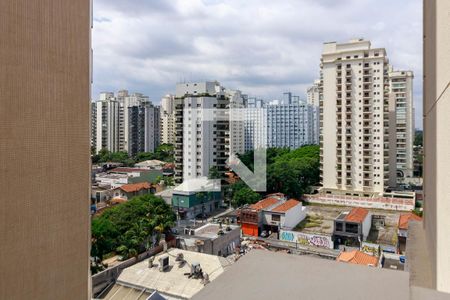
244	196
418	138
214	173
127	228
291	172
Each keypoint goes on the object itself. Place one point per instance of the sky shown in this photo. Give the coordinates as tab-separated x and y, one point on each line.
261	47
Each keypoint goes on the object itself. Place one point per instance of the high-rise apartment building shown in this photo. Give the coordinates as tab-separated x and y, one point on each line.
356	154
142	126
125	122
168	119
236	105
401	88
255	124
290	125
106	113
313	94
44	149
202	135
288	122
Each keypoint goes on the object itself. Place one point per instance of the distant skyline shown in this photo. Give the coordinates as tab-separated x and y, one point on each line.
263	48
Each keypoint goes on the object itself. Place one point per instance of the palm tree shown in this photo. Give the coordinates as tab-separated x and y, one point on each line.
134	240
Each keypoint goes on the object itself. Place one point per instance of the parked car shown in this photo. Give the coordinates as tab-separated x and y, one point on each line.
201	216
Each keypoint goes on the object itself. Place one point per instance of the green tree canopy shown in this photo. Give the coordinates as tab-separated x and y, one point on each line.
291	172
127	227
245	195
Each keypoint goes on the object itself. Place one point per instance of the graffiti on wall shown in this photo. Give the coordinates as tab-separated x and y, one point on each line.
307	239
369	248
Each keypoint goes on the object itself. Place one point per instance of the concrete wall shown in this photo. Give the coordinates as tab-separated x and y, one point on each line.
314	240
45	149
293	216
400	204
436	138
366	224
224	244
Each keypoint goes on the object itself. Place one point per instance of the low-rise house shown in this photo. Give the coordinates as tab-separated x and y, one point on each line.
271	214
402	233
285	215
358	258
130	172
216	239
119	176
152	164
129	191
351	228
196	197
100	194
110	181
168	169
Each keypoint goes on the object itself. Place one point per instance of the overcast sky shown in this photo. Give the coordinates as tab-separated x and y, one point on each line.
261	47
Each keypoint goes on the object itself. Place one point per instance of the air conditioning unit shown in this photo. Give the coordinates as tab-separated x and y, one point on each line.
163	263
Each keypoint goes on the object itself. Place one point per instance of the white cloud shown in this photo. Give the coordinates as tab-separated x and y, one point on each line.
259	46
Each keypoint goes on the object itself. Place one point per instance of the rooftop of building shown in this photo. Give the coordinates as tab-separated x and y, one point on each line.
126	170
284	207
211	230
358	258
150	163
270	275
172	283
135	187
357	215
265	203
111	175
195	185
403	221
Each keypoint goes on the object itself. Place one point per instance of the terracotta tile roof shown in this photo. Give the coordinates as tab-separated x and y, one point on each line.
357	215
358	258
404	219
117	201
264	203
284	207
169	166
135	187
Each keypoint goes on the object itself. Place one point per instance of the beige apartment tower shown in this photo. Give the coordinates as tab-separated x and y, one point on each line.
168	119
401	89
436	110
354	118
44	149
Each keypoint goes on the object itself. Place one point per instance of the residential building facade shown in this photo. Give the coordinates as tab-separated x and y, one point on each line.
313	94
106	113
255	124
290	125
202	136
125	122
168	119
356	154
401	88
